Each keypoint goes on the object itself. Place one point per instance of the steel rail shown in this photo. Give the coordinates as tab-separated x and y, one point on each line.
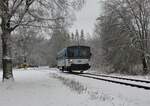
116	77
113	81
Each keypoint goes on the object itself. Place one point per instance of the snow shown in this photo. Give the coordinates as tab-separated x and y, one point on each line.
38	88
7	58
114	94
49	87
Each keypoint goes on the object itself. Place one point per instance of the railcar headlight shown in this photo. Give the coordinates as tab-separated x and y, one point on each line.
70	61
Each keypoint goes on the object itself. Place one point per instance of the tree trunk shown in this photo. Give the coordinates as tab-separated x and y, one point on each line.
5	36
145	67
6	57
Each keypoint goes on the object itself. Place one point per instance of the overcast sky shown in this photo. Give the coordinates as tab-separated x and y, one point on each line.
87	17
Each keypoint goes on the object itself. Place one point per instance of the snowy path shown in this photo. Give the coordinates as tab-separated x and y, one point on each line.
35	88
49	87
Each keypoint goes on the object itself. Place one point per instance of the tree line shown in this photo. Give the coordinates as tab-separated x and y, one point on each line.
122	33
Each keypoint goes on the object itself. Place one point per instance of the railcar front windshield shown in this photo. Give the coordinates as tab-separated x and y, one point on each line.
78	52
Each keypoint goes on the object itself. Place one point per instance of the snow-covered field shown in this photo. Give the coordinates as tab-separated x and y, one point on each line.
49	87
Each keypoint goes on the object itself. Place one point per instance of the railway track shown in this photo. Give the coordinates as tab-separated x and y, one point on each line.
123	78
144	84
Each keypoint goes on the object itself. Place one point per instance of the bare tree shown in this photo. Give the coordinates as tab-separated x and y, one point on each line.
36	13
124	33
23	43
31	49
138	26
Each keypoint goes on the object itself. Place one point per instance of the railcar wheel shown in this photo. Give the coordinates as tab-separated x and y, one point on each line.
81	71
69	70
62	69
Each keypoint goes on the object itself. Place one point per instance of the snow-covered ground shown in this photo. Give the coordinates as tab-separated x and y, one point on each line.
49	87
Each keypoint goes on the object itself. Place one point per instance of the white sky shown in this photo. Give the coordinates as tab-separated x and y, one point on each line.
87	17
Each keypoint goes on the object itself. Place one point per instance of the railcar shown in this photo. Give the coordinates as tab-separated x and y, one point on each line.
74	58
